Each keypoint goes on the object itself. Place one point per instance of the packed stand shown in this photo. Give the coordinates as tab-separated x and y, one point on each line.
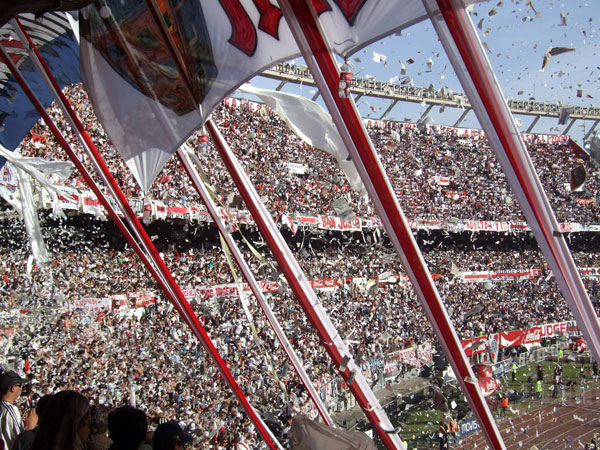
147	357
415	160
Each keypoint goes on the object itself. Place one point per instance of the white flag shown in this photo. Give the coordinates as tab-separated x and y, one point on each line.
138	93
312	124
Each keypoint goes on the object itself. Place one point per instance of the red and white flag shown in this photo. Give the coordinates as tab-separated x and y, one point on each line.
287	220
138	93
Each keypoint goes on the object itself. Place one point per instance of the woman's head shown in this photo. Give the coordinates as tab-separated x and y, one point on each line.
65	423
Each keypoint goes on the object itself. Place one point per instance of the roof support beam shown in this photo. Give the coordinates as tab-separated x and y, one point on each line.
589	133
569	126
462	117
533	122
281	85
424	115
389	108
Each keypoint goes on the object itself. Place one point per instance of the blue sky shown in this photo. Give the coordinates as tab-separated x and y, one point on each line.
516	33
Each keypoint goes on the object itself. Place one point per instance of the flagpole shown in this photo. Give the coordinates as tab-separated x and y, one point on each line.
465	51
287	347
316	314
332	341
305	27
192	173
89	180
170	288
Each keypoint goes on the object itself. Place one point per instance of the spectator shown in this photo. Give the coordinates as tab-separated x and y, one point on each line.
538	389
11	424
504	403
24	440
65	424
170	436
127	428
99	439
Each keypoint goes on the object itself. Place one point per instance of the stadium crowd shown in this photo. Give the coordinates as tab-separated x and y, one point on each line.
146	356
415	161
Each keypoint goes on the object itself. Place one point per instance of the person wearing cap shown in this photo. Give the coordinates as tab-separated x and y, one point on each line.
11	423
170	436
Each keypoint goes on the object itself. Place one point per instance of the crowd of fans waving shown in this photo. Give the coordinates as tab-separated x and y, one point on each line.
101	360
413	159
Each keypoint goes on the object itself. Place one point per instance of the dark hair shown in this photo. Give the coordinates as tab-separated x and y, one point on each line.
42	404
61	419
100	415
127	427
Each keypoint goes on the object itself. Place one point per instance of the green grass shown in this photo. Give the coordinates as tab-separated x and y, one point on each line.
420	423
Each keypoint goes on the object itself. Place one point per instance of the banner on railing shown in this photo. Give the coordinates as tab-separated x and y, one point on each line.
338	224
467	427
8	177
484	276
482	225
92	305
589	272
514	338
417	356
86	202
68	198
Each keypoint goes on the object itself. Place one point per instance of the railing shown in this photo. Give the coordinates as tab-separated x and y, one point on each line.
397	91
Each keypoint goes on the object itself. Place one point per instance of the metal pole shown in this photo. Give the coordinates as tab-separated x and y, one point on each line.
171	288
287	347
304	24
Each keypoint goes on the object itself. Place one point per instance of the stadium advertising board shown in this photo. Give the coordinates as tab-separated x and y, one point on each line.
467	427
501	368
535	334
474	346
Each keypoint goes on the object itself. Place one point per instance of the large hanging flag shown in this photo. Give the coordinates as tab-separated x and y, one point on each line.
53	36
138	92
27	170
313	125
